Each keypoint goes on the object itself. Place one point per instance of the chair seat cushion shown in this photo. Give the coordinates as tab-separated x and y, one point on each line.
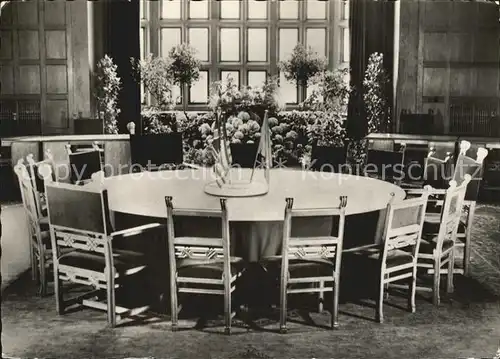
44	224
428	245
300	268
432	222
203	268
394	257
123	260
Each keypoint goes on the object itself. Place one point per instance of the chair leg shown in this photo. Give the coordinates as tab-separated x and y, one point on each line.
380	302
58	292
335	307
227	309
174	314
451	264
34	264
412	291
468	232
436	282
43	275
111	300
321	296
283	307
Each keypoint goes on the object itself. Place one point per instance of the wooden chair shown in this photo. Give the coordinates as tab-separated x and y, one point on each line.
398	251
38	228
387	165
158	152
309	264
37	180
202	265
328	159
438	251
464	165
79	221
83	164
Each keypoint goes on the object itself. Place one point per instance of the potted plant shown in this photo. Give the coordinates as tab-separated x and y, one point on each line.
155	75
184	68
108	86
302	65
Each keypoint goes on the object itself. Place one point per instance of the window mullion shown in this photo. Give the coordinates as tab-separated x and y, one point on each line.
273	38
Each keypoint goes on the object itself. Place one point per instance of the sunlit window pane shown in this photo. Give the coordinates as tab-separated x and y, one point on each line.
170	37
288	90
198	9
198	93
257	9
198	39
235	75
257	44
346	42
311	88
171	9
316	39
288	39
230	44
256	78
230	9
289	9
316	9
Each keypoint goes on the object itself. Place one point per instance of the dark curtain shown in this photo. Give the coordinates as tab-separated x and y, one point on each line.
372	30
122	43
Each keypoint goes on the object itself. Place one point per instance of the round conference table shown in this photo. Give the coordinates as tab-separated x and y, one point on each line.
256	222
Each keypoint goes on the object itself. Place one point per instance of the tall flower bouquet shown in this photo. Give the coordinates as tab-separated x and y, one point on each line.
302	65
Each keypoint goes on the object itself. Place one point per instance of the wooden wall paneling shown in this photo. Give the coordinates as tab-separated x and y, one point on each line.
57	79
57	116
6	80
461	82
29	48
434	82
27	13
434	49
434	15
28	80
484	52
461	47
462	14
5	44
56	46
486	82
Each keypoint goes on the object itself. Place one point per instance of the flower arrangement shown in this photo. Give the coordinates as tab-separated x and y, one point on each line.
184	67
108	87
376	103
302	65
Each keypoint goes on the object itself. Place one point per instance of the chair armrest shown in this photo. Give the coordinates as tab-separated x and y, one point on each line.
136	230
192	165
369	247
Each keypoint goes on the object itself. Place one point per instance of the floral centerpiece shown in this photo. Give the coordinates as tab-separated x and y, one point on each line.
184	67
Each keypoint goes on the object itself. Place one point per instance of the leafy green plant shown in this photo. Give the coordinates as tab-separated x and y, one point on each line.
302	65
107	89
155	74
375	99
184	68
